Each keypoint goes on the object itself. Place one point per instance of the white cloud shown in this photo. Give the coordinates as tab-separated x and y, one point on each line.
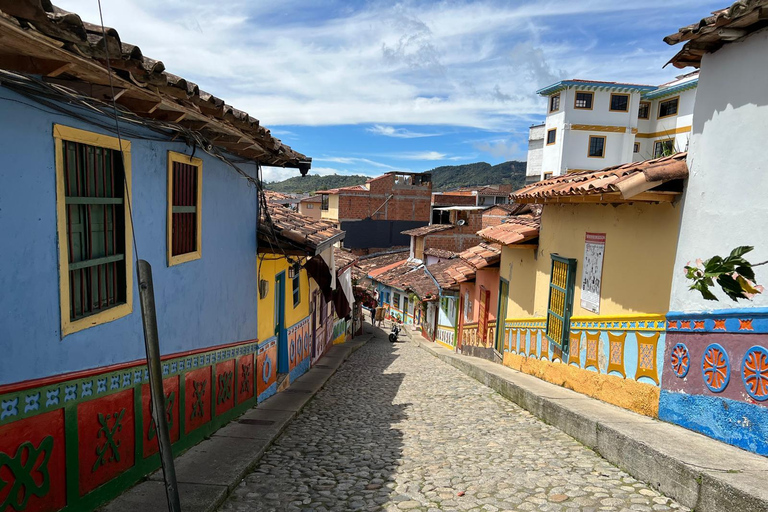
399	133
502	149
426	155
455	63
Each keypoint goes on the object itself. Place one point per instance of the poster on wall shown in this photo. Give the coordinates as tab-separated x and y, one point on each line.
592	272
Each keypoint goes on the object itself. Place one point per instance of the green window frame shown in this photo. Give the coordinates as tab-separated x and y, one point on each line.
396	300
562	282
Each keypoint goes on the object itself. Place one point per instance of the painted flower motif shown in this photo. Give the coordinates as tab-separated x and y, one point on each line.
680	360
716	368
754	373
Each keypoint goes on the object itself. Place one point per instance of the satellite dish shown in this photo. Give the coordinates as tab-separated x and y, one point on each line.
461	222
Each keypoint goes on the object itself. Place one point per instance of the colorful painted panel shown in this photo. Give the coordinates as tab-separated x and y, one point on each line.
299	342
715	376
225	386
106	439
246	378
172	399
446	336
266	369
33	464
616	353
574	348
647	347
197	398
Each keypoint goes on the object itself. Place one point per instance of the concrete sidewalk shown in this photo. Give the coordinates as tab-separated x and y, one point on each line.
209	471
697	471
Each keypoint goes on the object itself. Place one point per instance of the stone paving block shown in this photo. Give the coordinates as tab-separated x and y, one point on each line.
150	496
286	402
218	461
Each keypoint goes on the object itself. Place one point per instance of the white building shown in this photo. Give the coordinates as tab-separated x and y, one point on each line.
591	125
533	170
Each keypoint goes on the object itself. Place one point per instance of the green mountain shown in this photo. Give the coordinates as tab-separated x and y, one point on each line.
310	183
446	177
450	177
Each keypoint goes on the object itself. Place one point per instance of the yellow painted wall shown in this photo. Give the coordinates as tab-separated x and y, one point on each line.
518	266
268	266
332	213
641	240
418	247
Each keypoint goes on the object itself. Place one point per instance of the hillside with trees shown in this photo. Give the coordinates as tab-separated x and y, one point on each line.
447	177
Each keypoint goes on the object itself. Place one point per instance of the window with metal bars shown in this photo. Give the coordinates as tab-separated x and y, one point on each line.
93	187
95	266
296	285
184	208
560	304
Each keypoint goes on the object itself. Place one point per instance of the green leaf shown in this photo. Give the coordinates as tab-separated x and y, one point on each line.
746	286
741	251
746	271
731	287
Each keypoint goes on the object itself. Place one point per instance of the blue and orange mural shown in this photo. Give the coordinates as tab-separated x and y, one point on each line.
615	359
266	369
716	375
299	348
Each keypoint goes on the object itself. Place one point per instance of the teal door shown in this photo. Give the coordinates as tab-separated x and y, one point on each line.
280	332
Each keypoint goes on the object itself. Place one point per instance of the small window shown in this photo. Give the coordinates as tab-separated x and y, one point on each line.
324	202
584	100
637	147
668	108
95	258
619	102
501	199
560	305
596	146
296	283
551	136
554	103
644	112
185	196
663	148
396	300
310	206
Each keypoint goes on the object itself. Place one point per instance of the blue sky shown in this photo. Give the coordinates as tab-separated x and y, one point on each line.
365	87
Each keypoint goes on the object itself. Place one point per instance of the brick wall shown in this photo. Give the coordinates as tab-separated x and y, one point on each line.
409	202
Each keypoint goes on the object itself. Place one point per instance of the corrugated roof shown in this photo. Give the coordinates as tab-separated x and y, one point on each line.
425	230
41	39
711	33
630	181
295	229
515	230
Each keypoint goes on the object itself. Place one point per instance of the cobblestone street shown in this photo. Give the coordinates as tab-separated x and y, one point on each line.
397	429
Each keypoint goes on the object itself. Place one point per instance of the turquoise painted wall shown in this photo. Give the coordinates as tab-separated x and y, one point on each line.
203	303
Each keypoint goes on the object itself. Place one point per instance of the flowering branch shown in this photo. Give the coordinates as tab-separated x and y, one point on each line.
733	274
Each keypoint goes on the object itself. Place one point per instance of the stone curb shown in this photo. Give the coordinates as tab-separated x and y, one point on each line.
695	470
210	470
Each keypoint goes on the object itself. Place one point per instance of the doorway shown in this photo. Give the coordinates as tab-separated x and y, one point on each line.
282	334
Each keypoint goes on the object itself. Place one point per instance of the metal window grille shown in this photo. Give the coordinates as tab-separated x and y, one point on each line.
94	195
596	146
560	304
663	148
184	209
644	111
668	108
554	103
583	100
296	282
324	202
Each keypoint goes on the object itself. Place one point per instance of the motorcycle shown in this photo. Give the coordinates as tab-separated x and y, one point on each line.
394	333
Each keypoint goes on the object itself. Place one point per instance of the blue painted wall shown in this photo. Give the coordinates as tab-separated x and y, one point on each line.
200	304
737	423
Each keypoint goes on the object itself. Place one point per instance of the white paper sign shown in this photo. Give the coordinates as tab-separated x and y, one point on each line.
592	271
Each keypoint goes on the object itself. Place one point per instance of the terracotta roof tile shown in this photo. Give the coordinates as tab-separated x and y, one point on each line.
372	262
440	272
440	253
297	228
343	258
482	255
67	38
707	35
421	284
425	230
620	182
515	230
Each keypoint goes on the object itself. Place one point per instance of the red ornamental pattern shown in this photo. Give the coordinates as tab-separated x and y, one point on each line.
755	373
197	400
172	399
716	368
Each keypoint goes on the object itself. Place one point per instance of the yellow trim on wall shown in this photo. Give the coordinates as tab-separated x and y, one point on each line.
589	145
610	103
598	128
197	254
675	131
66	133
591	103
